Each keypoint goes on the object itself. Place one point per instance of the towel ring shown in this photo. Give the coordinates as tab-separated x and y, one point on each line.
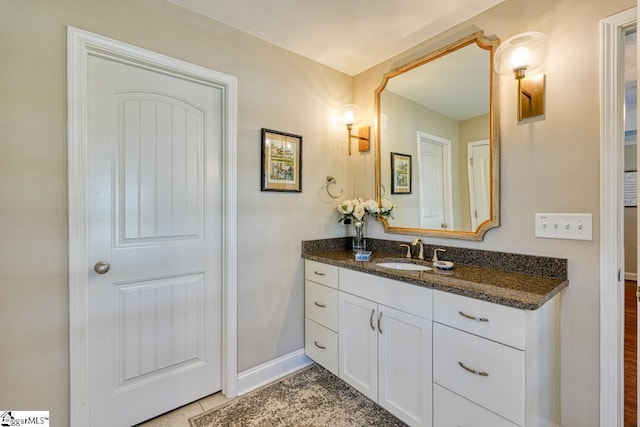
331	180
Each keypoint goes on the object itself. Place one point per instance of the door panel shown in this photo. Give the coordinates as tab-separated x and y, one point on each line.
479	172
434	182
161	326
154	191
358	348
405	354
160	168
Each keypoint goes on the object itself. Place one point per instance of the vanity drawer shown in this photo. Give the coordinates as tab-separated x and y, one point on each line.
321	304
413	299
321	345
318	272
493	321
451	410
498	383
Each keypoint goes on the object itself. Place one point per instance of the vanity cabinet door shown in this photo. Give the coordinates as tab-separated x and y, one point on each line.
358	346
386	354
404	365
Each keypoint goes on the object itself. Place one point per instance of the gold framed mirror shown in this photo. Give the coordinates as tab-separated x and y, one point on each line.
439	116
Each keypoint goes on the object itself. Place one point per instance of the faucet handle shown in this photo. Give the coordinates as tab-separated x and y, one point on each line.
408	255
435	254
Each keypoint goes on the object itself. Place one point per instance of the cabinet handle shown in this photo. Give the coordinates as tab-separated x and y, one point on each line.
317	273
319	346
319	305
473	371
379	320
373	311
476	318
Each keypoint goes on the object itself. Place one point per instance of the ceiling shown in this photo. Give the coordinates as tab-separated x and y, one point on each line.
348	35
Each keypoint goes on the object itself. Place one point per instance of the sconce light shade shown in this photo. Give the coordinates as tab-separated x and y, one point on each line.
349	114
521	53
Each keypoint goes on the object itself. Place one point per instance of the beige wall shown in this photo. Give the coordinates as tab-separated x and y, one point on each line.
546	166
276	90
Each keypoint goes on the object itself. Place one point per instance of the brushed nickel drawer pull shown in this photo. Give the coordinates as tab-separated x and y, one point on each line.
318	273
319	346
373	311
379	320
319	305
476	318
473	371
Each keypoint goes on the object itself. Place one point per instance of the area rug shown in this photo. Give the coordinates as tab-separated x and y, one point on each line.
308	398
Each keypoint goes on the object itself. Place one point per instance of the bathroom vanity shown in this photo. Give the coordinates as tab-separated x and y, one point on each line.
476	346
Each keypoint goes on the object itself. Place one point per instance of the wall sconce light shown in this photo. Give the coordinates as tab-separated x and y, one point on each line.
519	55
349	115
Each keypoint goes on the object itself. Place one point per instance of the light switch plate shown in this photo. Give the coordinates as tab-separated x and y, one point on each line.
570	226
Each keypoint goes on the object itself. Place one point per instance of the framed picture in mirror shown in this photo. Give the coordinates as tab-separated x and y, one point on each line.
281	161
400	173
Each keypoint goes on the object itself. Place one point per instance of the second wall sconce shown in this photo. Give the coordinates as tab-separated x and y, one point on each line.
519	55
349	114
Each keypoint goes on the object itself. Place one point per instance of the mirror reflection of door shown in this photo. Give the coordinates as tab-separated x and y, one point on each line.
479	173
434	177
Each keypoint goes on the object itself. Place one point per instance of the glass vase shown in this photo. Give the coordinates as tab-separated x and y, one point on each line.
359	242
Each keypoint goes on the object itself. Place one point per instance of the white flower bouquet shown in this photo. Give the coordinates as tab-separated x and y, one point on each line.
354	211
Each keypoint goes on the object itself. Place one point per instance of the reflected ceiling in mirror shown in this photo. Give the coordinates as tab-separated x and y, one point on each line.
437	152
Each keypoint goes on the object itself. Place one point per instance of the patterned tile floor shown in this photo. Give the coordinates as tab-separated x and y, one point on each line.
180	417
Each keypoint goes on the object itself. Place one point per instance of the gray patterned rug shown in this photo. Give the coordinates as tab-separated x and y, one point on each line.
311	397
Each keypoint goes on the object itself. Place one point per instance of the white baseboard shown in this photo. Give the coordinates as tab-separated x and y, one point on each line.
631	276
273	370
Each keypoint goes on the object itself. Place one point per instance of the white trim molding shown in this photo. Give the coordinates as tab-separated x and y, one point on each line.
271	371
81	45
611	216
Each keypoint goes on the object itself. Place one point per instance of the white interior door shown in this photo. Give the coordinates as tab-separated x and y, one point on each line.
434	178
154	203
479	172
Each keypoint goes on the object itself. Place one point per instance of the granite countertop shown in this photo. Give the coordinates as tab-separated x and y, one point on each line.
514	289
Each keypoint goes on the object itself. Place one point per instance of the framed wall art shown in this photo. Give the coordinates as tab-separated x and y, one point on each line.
630	189
400	173
281	164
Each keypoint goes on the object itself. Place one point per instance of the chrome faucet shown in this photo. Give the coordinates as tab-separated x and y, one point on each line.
418	241
435	254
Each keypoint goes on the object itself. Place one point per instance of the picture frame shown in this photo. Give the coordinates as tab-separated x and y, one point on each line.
281	161
400	173
630	187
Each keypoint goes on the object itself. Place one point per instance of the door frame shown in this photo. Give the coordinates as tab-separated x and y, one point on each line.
471	179
80	45
611	217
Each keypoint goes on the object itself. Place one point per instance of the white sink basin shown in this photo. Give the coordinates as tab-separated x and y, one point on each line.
403	266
